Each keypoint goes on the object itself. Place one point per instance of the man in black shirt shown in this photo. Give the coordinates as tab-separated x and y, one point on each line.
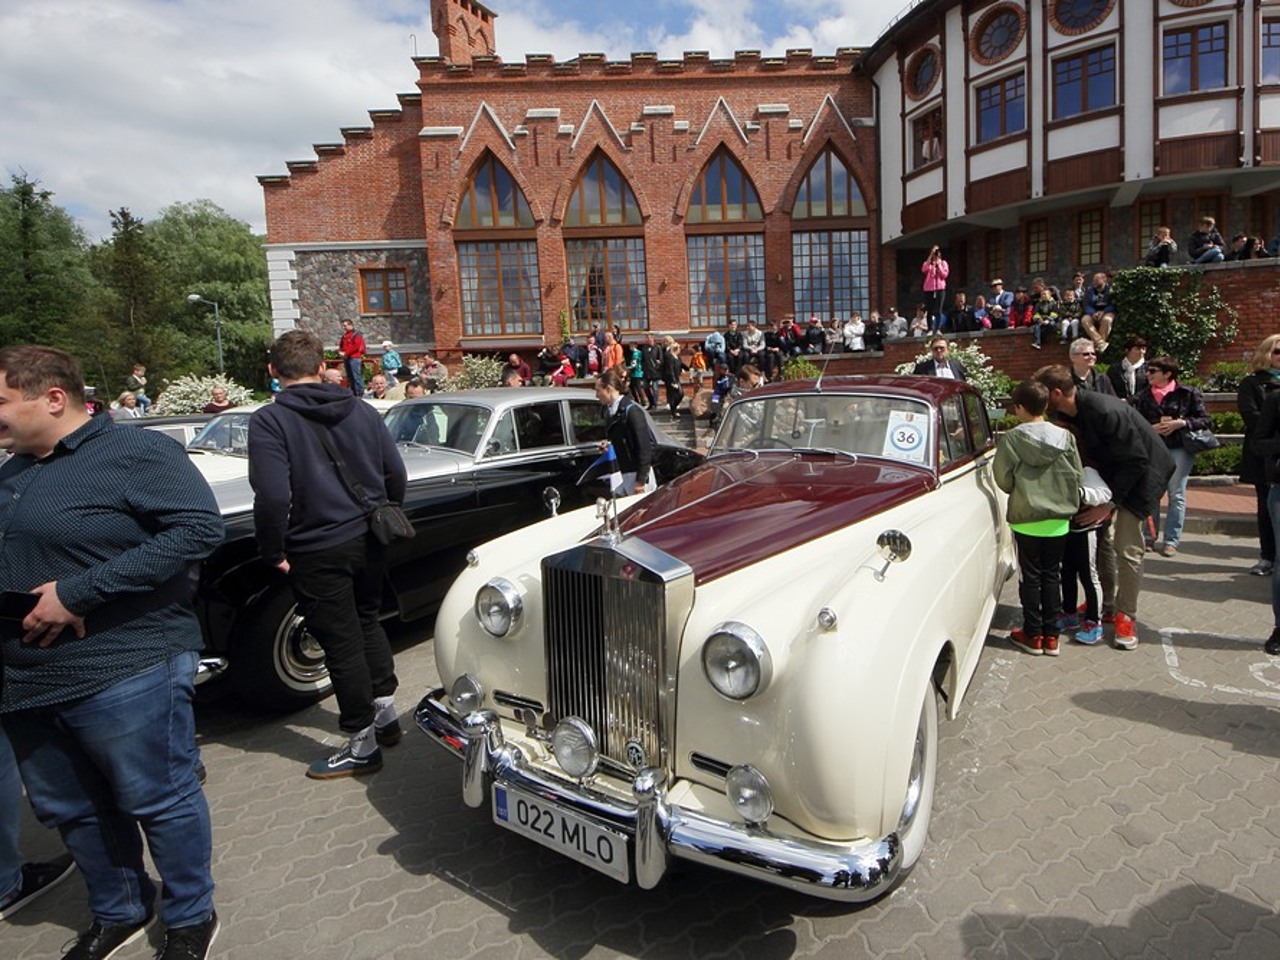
313	528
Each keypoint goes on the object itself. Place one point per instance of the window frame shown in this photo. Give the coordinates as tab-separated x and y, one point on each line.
720	163
1269	29
1085	81
385	289
751	258
1097	240
476	296
1036	234
1019	80
919	124
1194	56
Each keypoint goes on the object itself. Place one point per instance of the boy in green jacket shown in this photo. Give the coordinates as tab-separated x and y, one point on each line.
1038	465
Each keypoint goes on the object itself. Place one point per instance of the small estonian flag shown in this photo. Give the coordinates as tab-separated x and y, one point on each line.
604	467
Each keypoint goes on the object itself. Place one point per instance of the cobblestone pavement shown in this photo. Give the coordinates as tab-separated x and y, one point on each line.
1101	804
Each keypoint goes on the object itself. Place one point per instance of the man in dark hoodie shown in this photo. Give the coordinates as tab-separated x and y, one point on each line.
1136	465
314	529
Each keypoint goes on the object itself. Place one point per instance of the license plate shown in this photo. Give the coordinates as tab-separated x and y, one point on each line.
562	831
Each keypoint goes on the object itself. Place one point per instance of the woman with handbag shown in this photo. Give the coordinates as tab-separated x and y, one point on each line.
1253	393
1174	410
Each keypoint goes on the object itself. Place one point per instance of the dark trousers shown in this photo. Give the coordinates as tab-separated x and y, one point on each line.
675	393
1266	535
933	306
1080	570
651	392
1040	587
339	591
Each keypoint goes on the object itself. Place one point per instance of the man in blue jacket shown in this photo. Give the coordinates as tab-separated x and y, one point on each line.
315	529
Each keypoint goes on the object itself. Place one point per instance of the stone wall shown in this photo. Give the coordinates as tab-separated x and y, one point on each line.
328	293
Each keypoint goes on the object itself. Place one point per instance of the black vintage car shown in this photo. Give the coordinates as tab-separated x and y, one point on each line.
480	463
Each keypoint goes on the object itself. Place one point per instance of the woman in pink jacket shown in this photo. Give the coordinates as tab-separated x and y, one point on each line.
935	270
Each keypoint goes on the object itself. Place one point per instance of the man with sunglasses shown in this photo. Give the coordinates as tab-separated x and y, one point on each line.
940	363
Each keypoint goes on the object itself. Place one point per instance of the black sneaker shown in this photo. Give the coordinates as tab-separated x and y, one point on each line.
103	940
389	735
1272	646
344	763
37	880
190	943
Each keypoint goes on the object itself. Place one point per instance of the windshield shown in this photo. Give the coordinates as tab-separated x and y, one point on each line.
896	428
457	426
227	433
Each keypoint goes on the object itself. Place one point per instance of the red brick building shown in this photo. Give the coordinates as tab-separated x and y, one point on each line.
504	202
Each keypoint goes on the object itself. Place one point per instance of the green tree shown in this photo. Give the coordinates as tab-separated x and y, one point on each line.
1174	310
202	249
45	282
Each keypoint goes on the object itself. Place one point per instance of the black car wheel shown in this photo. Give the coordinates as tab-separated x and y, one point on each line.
276	663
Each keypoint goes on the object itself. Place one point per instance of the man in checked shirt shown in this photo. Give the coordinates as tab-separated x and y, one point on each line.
105	526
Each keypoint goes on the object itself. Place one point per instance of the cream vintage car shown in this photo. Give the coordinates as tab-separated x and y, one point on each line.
744	668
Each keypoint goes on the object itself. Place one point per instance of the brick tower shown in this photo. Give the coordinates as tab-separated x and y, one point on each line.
464	29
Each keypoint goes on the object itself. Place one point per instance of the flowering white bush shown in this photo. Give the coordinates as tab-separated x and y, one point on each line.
190	394
977	365
476	372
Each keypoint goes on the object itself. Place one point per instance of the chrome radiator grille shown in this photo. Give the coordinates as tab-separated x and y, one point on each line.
606	637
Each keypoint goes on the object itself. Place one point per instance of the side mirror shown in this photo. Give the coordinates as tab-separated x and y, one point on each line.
895	547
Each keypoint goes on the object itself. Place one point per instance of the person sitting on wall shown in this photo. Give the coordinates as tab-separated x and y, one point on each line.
1099	312
1206	244
1161	248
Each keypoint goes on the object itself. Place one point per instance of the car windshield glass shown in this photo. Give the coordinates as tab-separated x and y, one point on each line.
457	426
228	433
896	428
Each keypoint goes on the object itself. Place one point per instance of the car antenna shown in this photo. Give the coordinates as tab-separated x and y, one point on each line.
817	387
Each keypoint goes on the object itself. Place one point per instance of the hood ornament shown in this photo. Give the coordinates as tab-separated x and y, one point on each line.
607	512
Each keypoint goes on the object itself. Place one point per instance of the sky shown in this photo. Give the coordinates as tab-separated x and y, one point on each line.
146	103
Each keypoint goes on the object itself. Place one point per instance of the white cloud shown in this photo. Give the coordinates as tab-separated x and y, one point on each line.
143	103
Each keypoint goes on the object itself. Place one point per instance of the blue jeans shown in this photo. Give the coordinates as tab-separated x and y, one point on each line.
1212	255
351	365
1177	491
100	767
10	815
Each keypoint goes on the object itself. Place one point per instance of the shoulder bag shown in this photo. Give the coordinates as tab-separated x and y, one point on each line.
387	521
1195	441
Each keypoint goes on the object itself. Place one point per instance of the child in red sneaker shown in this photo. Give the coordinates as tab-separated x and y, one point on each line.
1038	465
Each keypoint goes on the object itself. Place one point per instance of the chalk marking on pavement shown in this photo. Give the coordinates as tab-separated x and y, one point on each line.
1258	670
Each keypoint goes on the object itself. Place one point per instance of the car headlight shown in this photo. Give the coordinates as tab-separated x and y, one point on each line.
736	661
498	607
749	793
466	694
574	744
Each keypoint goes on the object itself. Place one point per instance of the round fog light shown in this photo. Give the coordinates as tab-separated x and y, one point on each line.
574	744
467	694
749	793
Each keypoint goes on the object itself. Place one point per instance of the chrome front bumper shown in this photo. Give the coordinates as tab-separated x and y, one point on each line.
852	873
